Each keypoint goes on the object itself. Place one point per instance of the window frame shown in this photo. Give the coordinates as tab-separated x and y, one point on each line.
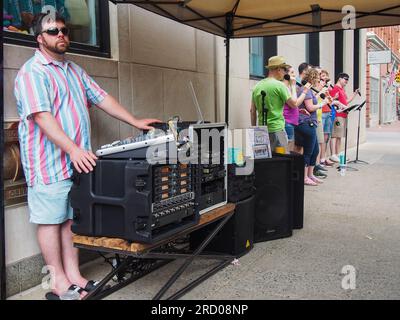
103	50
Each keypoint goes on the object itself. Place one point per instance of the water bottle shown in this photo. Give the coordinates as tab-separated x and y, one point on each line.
70	295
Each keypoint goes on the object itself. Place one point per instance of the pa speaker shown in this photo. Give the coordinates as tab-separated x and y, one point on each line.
236	237
274	195
298	187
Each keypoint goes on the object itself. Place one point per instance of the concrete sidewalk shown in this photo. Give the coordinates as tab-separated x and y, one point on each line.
351	220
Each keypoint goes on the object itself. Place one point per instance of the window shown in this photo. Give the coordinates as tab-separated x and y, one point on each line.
374	98
256	57
260	51
88	21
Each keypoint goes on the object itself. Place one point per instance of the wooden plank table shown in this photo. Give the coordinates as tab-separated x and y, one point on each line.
134	251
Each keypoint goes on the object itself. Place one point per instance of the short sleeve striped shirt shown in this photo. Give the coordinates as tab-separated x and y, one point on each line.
67	92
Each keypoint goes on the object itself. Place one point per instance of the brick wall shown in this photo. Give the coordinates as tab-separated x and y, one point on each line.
391	37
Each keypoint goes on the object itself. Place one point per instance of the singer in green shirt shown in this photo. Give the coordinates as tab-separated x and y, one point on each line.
276	95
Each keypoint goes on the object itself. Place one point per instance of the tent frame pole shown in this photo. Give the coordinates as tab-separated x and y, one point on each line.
2	217
229	32
227	59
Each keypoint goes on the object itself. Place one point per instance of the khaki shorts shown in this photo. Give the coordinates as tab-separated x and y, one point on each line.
320	133
339	127
278	139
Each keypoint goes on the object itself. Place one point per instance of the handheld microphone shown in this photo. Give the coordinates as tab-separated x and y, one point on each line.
329	84
304	82
286	77
263	93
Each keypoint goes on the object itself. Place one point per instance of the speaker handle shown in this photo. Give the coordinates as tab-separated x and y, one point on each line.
296	176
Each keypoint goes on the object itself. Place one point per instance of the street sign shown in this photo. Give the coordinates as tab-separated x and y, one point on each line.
379	57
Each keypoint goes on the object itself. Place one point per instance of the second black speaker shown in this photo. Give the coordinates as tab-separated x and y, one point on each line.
274	197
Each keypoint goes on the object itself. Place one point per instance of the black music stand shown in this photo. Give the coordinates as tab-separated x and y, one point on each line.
347	111
358	135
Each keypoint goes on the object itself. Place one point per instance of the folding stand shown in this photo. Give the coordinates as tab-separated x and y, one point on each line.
358	135
347	110
141	259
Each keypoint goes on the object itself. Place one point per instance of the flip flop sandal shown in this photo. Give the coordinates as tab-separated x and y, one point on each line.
52	296
91	285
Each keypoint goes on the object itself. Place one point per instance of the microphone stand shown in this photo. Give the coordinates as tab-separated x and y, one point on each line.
264	109
345	143
358	136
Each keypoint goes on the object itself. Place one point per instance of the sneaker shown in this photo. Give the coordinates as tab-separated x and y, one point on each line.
315	179
319	174
320	167
334	158
309	182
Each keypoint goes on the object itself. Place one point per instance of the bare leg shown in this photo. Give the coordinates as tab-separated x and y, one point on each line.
333	146
290	145
49	238
338	145
70	256
319	156
322	148
298	149
310	171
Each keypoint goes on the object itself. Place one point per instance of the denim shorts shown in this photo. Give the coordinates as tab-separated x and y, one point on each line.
289	128
49	203
327	122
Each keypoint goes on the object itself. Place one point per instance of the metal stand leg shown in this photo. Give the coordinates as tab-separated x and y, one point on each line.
345	150
107	278
189	260
121	270
358	141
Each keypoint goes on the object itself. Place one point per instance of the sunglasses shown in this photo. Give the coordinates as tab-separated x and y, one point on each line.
347	79
55	31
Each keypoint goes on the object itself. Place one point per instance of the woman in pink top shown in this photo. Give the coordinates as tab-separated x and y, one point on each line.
291	115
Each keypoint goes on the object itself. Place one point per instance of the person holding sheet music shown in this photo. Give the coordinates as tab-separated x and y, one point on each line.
342	102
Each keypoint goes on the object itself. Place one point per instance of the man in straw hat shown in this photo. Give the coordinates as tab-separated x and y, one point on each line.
276	95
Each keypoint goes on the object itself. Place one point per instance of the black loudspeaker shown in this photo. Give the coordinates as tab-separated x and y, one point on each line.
274	196
240	187
236	237
298	187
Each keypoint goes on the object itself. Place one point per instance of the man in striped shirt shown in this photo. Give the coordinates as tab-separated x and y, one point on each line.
53	99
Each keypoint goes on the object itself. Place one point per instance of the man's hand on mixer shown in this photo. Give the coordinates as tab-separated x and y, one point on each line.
144	124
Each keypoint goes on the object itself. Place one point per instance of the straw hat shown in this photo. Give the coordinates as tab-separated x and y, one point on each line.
277	62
